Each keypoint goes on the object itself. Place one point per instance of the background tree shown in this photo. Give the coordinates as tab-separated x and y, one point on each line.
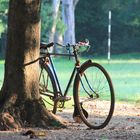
55	6
3	15
52	26
46	19
91	18
68	15
57	27
92	23
20	101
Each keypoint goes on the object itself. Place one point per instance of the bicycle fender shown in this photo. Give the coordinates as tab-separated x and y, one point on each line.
79	71
84	65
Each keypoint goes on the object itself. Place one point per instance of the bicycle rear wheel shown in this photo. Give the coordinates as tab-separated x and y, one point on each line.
94	93
48	88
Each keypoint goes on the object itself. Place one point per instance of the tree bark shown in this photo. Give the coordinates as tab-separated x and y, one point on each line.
68	18
75	2
68	15
55	5
20	101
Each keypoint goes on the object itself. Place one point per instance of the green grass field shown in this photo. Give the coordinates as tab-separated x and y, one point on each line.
1	72
125	74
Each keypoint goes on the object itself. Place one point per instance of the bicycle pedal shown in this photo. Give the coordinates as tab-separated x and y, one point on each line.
60	110
64	98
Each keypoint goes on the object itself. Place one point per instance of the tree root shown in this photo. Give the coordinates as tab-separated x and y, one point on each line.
30	113
7	122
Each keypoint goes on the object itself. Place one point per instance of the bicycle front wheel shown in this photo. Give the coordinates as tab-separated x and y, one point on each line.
94	94
48	88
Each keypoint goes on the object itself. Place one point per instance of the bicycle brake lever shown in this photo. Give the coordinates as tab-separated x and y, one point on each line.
69	53
68	49
88	48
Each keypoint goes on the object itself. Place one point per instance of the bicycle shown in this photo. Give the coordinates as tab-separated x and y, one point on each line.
93	92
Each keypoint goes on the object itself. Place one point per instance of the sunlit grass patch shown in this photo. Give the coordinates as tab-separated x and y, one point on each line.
125	75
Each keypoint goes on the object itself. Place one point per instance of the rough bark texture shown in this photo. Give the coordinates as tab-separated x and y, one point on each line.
20	102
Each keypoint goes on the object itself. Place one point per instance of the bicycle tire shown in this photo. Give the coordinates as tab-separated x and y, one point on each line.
48	88
94	106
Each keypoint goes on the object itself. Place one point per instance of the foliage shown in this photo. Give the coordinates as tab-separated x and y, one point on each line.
92	23
47	20
3	14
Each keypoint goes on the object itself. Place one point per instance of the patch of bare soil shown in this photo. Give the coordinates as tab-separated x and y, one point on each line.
124	125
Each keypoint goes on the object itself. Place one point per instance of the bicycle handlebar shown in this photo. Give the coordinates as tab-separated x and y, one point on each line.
44	45
79	44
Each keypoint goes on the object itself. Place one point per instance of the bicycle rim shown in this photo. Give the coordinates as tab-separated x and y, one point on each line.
93	91
47	88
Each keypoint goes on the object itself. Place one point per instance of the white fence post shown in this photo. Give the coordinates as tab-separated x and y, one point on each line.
109	35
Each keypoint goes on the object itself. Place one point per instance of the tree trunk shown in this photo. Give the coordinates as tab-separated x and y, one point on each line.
58	37
75	2
68	7
20	102
55	5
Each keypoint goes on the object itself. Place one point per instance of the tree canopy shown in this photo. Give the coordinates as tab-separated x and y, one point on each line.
3	14
92	22
91	19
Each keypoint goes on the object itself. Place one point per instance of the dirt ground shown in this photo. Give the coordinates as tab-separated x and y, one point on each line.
125	125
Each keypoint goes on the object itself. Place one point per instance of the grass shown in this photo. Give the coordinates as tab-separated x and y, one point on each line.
125	75
1	72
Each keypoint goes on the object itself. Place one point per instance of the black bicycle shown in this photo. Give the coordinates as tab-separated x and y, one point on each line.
93	92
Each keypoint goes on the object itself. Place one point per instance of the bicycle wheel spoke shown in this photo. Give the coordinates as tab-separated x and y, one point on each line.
100	104
47	102
48	88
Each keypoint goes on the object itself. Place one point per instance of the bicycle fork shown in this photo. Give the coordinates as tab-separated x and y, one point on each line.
89	86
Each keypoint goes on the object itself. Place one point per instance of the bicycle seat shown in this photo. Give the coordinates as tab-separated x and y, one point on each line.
44	45
63	98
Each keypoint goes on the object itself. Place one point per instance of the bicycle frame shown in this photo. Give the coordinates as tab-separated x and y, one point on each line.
85	89
75	69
